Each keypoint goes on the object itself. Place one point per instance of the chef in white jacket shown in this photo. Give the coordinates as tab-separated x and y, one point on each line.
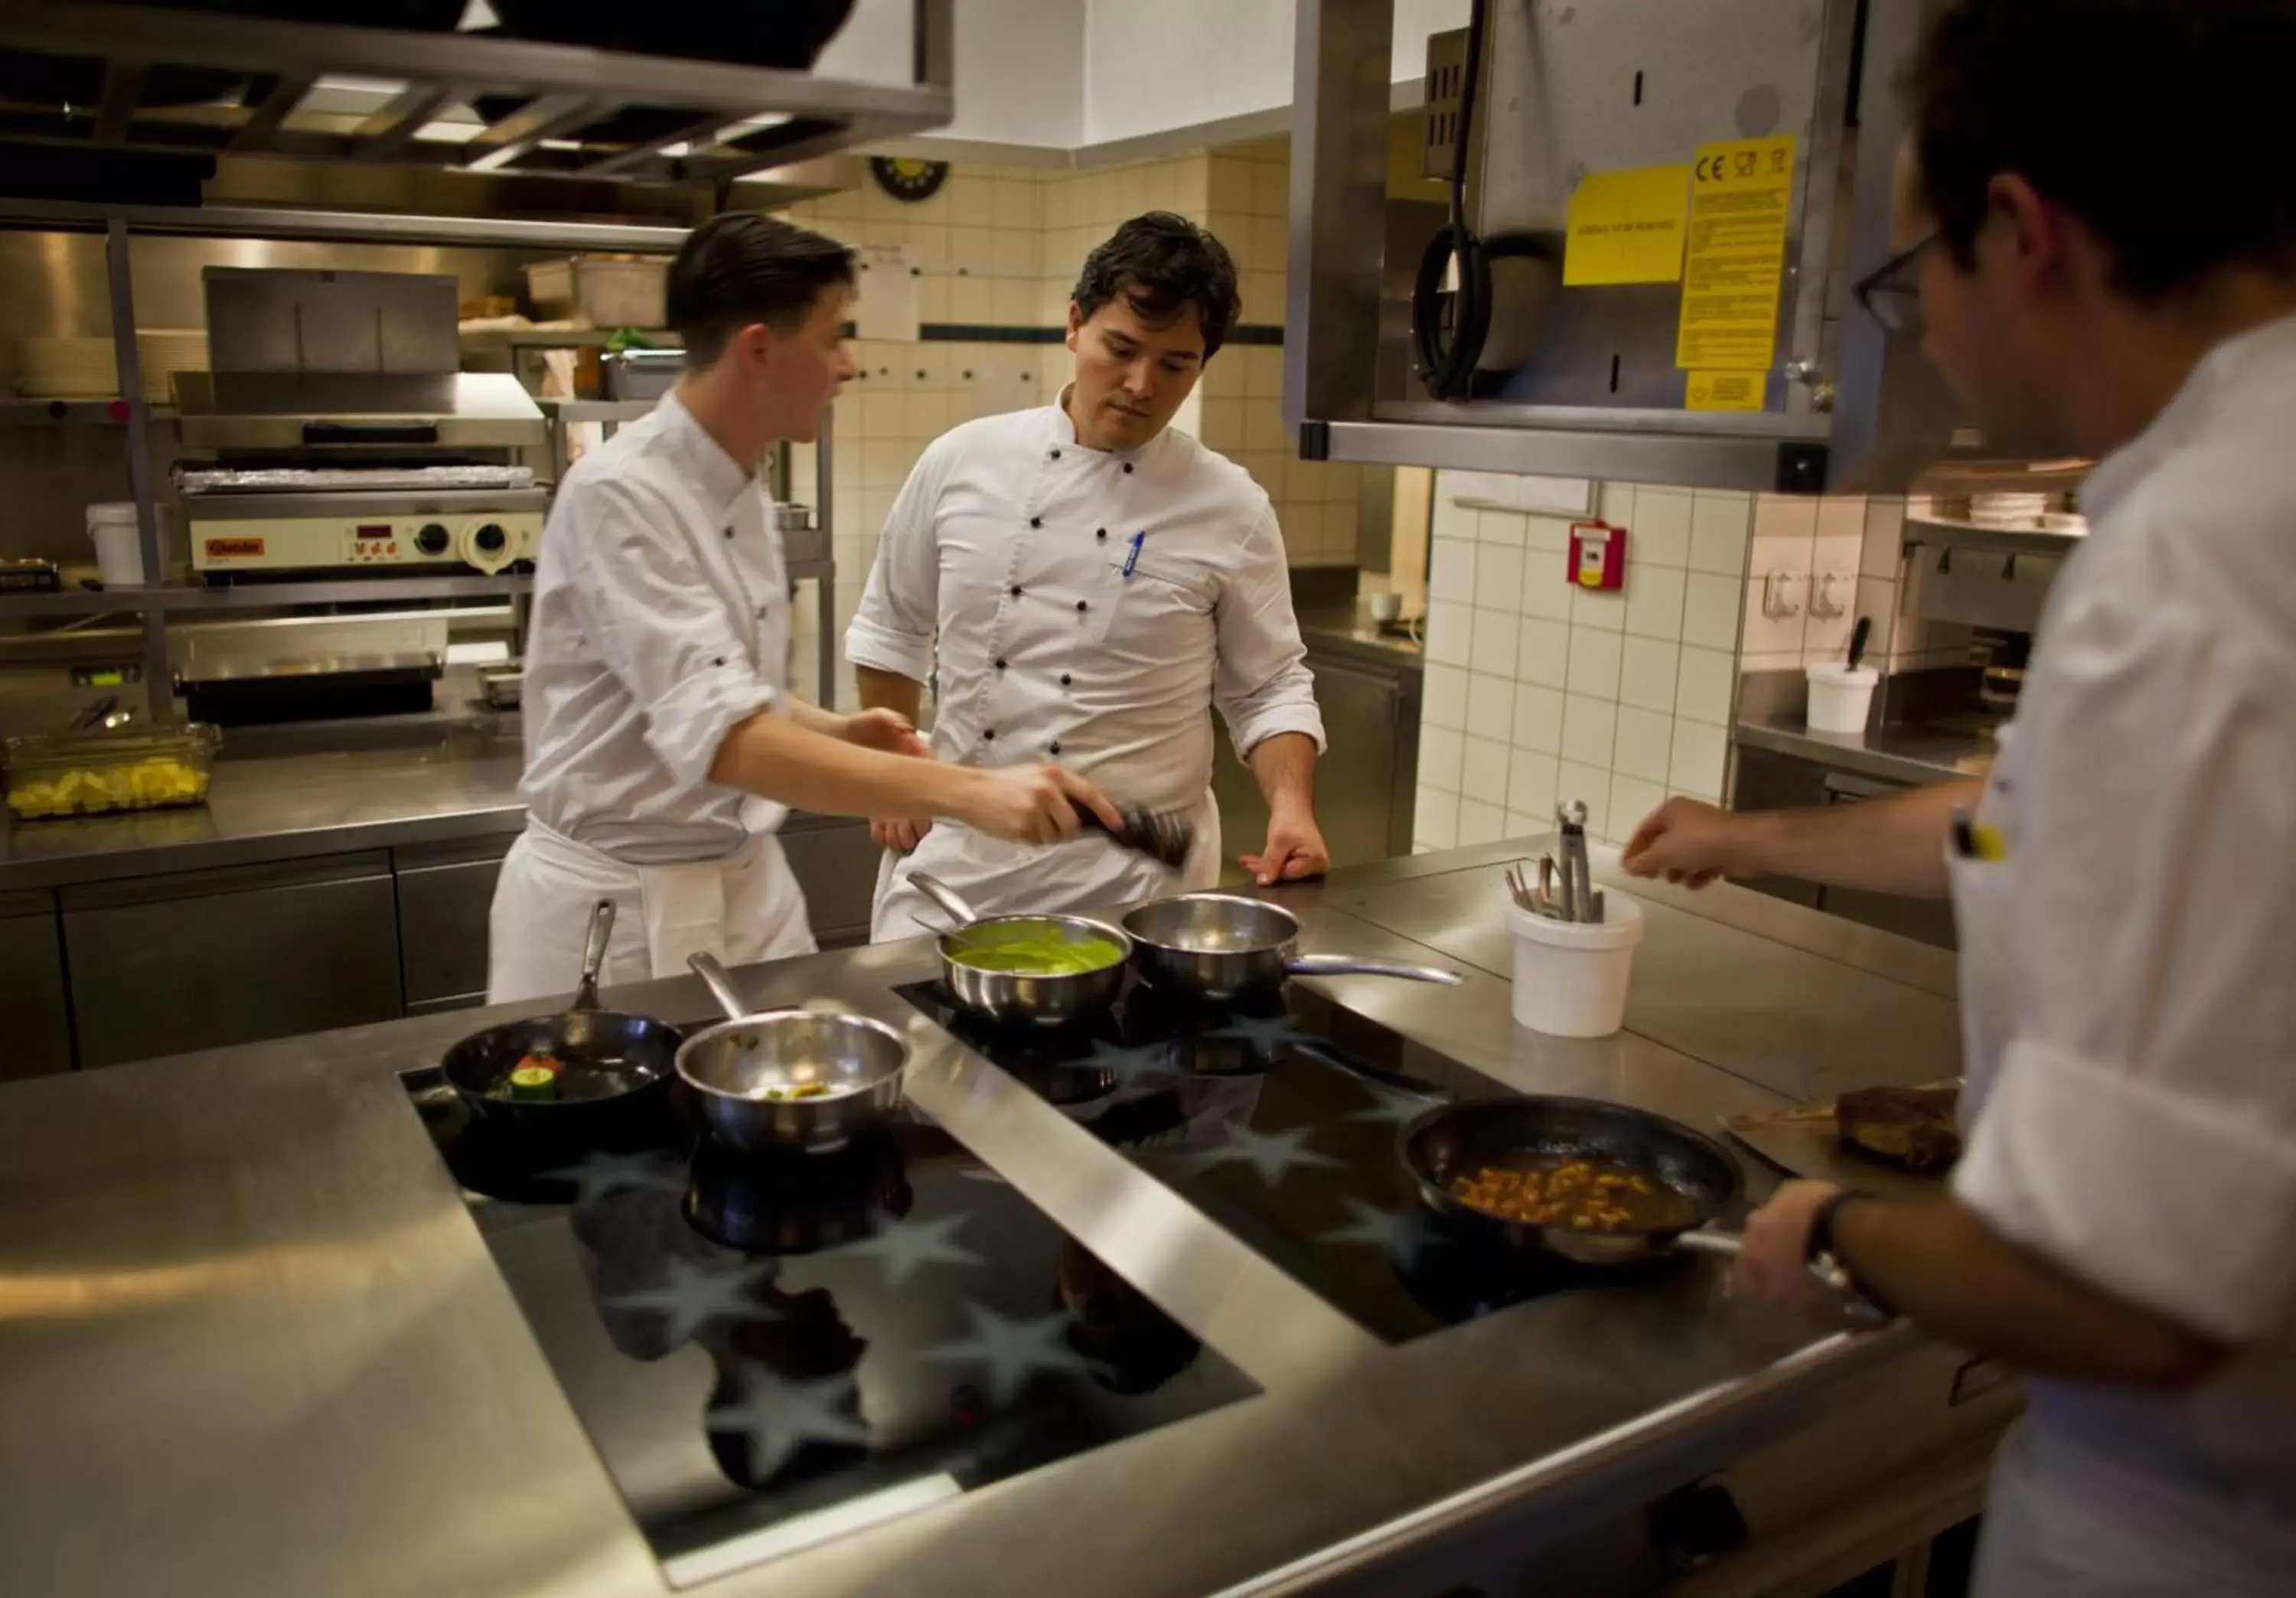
662	744
2120	1225
1084	583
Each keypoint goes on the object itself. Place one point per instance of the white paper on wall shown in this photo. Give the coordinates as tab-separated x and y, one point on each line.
886	303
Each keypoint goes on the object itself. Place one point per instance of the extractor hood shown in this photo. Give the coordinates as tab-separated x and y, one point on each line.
1673	198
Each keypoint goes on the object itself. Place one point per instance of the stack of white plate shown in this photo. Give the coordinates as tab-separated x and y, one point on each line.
2009	509
85	368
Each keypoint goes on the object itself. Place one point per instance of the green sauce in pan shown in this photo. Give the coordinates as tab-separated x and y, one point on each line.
1045	950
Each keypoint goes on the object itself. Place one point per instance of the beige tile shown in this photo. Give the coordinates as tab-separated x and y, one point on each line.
1263	299
1614	502
1263	426
1537	719
1191	187
1440	751
1018	252
1631	801
1013	204
1543	653
1271	191
1647	672
1434	820
1263	370
1603	608
1884	533
1490	705
1594	661
1498	577
1706	685
1700	756
1654	601
1589	729
1495	637
1710	610
1841	516
1450	626
1643	746
1551	533
1483	769
1785	516
1659	535
1223	424
1230	187
1547	590
1479	822
1532	776
1264	245
1765	634
1719	531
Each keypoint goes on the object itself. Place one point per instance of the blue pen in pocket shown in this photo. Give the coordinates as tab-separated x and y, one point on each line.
1133	558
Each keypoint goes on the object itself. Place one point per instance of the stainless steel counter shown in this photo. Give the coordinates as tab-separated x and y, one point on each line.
1348	632
250	1341
1894	754
278	796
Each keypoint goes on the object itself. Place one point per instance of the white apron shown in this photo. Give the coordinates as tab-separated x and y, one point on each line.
995	878
743	908
2063	1521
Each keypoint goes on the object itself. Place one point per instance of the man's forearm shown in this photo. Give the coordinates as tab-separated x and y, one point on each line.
890	691
829	723
779	758
1943	1268
1284	765
1892	844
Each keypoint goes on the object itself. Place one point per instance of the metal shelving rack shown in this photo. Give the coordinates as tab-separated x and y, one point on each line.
742	118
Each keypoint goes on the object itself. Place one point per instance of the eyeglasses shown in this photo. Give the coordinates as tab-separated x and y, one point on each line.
1888	294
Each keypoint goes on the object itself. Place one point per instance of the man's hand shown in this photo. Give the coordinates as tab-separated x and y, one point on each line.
1032	804
896	734
1685	841
1773	1266
886	730
1295	850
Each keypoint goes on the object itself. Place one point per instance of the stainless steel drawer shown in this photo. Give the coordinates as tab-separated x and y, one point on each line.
444	896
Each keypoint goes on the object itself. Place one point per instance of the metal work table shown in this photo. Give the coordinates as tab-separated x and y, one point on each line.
1894	754
251	1342
1348	632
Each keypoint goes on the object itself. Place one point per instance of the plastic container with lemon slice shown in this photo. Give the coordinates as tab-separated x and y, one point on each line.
99	772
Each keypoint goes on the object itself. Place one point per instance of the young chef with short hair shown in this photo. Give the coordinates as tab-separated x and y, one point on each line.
1084	583
662	745
2122	287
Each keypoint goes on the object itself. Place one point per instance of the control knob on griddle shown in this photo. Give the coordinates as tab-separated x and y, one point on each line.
432	538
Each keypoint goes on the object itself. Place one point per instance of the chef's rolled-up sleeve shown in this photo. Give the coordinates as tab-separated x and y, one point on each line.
894	628
1261	684
2141	1129
659	626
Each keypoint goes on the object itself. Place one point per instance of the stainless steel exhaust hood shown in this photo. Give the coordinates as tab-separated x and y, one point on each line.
1733	366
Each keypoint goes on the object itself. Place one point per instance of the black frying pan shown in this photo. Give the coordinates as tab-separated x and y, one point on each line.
614	1070
1458	1138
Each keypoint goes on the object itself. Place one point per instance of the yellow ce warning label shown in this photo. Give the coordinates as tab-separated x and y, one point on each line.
1740	192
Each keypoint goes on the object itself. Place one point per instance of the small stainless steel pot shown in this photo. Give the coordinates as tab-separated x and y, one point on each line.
1220	947
1012	998
736	1065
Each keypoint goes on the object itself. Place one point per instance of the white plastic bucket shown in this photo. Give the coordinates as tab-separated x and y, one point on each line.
1841	696
118	544
1571	977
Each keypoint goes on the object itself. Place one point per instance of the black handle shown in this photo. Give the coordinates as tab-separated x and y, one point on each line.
370	432
1857	635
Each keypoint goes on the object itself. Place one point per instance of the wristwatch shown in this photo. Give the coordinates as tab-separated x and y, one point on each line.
1859	1303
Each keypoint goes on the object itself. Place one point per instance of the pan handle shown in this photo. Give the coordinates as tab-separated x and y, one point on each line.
1723	1244
712	973
940	893
1347	965
593	953
1856	1308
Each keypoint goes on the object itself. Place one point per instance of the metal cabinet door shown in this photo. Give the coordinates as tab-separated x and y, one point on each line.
1364	781
834	860
445	892
198	960
34	1008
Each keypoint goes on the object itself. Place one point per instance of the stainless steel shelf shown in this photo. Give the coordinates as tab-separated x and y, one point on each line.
263	596
1999	540
617	411
32	410
341	228
742	117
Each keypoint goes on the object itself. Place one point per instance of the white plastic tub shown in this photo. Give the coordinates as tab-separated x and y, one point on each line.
1841	696
1571	977
118	544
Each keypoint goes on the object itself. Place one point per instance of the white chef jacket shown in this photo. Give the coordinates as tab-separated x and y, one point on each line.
661	622
2128	989
1011	544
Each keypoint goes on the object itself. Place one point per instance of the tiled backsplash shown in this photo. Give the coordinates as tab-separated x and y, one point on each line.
1538	690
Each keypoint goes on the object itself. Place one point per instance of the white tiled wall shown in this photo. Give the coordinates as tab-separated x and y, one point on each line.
1841	551
1539	691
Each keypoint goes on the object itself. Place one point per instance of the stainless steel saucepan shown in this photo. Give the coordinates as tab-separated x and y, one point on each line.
981	961
1218	947
779	1079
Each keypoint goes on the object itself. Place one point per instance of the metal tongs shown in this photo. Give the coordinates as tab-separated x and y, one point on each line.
1566	889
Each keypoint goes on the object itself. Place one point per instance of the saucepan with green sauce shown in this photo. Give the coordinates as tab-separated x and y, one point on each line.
1028	970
